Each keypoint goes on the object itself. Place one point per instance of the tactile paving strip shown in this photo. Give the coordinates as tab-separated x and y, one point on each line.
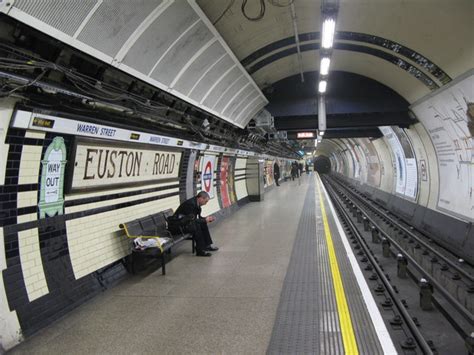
307	319
367	340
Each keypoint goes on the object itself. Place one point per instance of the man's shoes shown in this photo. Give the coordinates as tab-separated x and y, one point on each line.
203	253
211	248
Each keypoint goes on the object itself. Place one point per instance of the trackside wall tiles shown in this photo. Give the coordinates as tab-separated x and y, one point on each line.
31	264
51	265
103	243
240	184
29	164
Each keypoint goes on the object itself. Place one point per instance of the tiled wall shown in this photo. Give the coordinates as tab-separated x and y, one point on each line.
239	178
50	266
102	244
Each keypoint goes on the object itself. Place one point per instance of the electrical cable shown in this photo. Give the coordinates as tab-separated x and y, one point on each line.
14	60
8	93
259	16
224	12
277	4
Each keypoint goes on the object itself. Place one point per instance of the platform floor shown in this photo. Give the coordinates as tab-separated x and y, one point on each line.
269	289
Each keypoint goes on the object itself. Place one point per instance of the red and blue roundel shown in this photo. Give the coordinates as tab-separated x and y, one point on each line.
207	177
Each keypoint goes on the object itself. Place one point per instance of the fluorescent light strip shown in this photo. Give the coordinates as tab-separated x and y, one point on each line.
322	86
324	68
329	27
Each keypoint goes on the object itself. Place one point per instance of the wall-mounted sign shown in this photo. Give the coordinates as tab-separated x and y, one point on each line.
207	174
305	135
52	179
42	122
101	164
404	162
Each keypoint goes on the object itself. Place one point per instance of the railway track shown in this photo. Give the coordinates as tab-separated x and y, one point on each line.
441	278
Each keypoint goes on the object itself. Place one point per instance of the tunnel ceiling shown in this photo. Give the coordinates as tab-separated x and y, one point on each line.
350	113
387	54
397	51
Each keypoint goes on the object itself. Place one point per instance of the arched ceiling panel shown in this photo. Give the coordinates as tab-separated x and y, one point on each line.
401	81
158	42
245	37
281	68
426	36
380	70
439	30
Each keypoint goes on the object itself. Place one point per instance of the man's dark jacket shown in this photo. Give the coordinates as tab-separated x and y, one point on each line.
190	207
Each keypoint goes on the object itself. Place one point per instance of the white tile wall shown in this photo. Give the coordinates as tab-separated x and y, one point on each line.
31	264
88	206
240	163
241	189
30	164
96	241
80	195
213	205
27	198
36	135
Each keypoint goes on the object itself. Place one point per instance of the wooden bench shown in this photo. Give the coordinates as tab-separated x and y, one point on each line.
153	226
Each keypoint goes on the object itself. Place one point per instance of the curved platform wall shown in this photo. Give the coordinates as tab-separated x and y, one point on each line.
51	264
426	172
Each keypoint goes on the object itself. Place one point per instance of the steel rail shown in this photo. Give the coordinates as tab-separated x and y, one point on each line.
401	308
454	302
417	238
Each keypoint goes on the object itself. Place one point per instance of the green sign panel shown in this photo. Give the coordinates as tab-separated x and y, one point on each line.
52	179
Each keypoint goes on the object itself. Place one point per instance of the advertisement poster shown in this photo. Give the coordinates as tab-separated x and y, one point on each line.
405	162
230	181
224	174
207	174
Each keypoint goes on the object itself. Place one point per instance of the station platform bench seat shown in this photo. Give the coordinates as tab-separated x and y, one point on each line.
152	227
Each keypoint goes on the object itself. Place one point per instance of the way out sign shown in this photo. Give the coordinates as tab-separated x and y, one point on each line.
52	179
207	174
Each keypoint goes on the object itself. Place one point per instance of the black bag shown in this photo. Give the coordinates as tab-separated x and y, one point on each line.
181	223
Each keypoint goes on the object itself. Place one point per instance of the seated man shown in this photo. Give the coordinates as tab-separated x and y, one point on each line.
199	226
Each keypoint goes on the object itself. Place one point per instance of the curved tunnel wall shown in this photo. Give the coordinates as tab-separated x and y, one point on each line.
426	172
52	262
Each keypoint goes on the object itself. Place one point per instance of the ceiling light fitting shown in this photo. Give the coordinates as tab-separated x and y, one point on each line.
321	115
329	26
322	86
324	69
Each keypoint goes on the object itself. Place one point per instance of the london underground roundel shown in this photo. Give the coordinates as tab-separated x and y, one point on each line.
207	177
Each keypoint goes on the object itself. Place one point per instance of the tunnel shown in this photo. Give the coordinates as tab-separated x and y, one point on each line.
322	164
113	112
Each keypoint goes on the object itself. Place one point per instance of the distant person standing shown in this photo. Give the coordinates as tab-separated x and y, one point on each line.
294	170
307	168
276	173
300	168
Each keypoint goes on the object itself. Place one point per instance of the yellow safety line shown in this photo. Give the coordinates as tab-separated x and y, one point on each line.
348	337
